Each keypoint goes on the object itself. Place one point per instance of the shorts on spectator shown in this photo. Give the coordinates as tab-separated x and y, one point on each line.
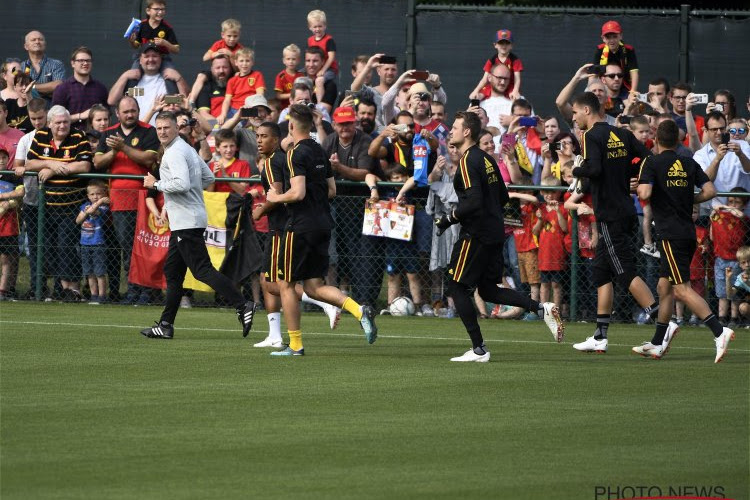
94	260
528	267
553	276
720	278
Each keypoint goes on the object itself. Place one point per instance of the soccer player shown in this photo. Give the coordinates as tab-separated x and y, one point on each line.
669	181
184	176
309	185
477	255
610	160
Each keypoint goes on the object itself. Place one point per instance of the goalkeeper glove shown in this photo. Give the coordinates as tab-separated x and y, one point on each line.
444	222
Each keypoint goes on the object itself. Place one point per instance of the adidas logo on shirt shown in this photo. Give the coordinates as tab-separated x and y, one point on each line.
614	141
676	170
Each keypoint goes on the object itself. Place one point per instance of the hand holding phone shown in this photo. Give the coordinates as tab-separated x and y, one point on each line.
473	102
420	74
725	138
172	99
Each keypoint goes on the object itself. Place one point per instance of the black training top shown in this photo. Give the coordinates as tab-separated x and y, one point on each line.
273	171
313	212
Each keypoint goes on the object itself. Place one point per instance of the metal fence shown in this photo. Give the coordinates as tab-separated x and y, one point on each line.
371	269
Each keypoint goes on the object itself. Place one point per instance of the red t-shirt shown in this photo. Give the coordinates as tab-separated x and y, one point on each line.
586	225
242	87
238	168
525	239
9	220
512	62
728	234
221	44
552	254
283	84
701	262
328	45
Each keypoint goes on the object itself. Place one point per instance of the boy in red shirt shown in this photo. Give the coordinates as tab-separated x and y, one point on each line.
527	245
588	237
242	85
229	43
701	268
316	21
11	194
284	82
503	45
728	228
550	228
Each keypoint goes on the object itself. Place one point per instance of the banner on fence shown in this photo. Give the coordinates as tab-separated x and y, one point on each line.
388	219
215	236
150	247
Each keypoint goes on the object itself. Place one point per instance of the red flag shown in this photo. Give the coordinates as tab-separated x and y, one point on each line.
150	247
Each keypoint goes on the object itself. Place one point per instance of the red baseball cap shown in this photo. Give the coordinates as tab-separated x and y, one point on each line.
611	27
504	35
344	114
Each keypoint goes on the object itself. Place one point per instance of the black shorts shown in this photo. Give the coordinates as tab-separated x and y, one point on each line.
615	252
271	252
304	255
674	263
473	262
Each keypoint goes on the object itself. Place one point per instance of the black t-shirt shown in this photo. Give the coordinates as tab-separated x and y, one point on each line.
481	196
612	157
147	34
211	96
313	212
674	179
273	171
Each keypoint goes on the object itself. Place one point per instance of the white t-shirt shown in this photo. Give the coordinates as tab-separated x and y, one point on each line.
153	85
730	173
30	184
496	106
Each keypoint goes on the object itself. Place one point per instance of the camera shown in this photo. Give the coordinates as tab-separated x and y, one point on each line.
135	92
192	122
401	128
557	146
420	74
701	98
311	105
719	107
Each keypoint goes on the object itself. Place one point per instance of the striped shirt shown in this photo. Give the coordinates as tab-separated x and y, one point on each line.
62	191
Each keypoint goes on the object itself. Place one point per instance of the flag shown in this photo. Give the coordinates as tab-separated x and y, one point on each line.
244	255
215	236
150	247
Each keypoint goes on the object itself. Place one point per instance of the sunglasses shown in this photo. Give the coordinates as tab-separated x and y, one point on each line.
423	96
614	75
737	131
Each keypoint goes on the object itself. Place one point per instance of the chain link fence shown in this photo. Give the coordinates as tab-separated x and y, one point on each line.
52	260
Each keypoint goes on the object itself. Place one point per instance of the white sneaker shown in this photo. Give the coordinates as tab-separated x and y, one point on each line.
722	343
269	342
592	345
672	330
471	356
333	313
554	321
649	350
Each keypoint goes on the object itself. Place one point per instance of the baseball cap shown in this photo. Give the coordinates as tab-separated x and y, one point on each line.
148	46
611	27
419	88
504	35
344	114
255	101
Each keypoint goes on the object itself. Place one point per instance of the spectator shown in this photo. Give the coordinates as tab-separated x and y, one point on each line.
71	154
317	23
10	68
724	102
80	92
46	73
37	115
527	248
98	118
284	81
551	128
397	97
154	30
257	110
558	156
498	106
741	283
129	147
728	231
229	43
528	142
503	46
149	79
658	91
229	166
11	193
242	85
301	94
325	91
738	129
93	218
594	85
681	112
420	106
367	112
726	164
614	52
550	227
210	87
13	91
9	137
616	92
387	70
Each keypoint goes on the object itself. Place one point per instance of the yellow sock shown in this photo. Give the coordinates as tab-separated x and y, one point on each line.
352	307
295	340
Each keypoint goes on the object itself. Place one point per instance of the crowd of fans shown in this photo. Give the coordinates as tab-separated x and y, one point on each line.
394	131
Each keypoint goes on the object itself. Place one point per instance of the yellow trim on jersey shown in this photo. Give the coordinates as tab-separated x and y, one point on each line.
640	169
289	161
673	269
464	169
461	262
269	170
274	266
583	144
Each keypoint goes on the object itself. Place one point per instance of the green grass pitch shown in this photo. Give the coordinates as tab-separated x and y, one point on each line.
91	409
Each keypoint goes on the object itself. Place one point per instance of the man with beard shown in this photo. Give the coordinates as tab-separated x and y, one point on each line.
420	106
366	112
477	255
497	106
387	71
128	147
210	87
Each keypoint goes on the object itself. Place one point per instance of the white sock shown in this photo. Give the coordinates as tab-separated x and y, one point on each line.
274	326
310	300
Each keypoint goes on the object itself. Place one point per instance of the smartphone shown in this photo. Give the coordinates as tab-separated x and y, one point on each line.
557	146
509	140
473	102
135	92
625	119
528	121
401	128
643	98
725	138
420	74
172	99
248	112
387	60
701	98
596	69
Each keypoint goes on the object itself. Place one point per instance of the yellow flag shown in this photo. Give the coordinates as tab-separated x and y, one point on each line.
215	236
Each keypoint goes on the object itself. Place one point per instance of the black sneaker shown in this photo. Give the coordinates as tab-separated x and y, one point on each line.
160	330
245	315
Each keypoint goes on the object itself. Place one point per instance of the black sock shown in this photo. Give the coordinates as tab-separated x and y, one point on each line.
713	323
661	331
652	310
539	309
480	350
602	325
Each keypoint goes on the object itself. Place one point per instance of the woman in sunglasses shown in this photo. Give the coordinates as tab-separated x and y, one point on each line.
738	129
